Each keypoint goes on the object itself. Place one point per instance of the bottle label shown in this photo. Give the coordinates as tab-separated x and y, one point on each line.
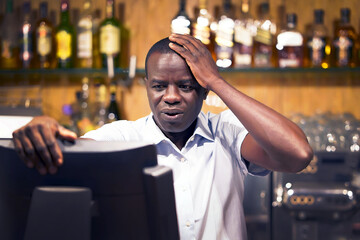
180	25
263	36
85	44
316	46
262	55
291	57
109	40
26	43
6	49
242	60
202	33
343	46
225	33
44	43
63	39
243	36
242	55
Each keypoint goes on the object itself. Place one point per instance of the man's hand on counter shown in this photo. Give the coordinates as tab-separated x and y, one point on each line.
37	146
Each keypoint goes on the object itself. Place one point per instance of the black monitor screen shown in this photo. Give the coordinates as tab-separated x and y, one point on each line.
126	203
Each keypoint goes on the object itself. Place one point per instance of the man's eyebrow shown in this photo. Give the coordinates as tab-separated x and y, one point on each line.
187	81
154	80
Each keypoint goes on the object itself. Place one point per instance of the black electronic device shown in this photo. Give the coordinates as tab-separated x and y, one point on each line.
132	196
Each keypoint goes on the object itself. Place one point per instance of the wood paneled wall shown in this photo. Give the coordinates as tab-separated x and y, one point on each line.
149	20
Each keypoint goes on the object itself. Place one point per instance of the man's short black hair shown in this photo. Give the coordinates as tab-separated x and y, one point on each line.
161	46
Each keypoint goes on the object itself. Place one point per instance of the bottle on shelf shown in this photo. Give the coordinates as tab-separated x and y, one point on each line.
9	58
26	37
290	45
85	37
181	23
100	111
244	33
344	41
110	38
224	39
97	61
44	39
318	45
264	39
124	38
65	38
201	27
113	113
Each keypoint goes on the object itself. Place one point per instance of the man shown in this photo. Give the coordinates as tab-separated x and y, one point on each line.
210	154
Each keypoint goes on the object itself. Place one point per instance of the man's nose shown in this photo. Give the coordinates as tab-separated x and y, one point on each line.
172	95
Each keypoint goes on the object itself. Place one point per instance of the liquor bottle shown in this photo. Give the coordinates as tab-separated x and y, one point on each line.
290	44
97	61
201	27
344	41
318	47
110	38
65	38
44	39
245	31
224	40
113	109
264	39
124	38
181	23
9	41
26	37
100	113
85	37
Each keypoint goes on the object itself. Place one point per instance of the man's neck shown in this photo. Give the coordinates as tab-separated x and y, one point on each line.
180	139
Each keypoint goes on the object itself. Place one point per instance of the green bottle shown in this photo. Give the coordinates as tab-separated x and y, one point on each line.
110	38
65	38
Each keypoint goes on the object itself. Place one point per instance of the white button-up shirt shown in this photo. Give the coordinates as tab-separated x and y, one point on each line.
208	172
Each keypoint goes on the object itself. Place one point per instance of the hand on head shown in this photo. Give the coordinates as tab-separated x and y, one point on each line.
36	143
198	57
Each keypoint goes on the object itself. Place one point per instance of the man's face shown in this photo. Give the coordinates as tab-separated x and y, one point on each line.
174	95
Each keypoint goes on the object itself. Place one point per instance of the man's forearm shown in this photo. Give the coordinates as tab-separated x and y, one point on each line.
284	143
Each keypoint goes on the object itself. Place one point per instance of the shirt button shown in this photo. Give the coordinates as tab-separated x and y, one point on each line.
192	139
182	159
188	224
184	189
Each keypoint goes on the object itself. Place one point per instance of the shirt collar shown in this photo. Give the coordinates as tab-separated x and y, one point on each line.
202	129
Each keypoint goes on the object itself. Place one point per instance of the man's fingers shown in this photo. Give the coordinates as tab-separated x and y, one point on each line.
183	41
20	150
182	51
66	134
54	151
44	158
186	40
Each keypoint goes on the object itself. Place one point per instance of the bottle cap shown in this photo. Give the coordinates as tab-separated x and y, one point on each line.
319	16
26	7
291	19
345	15
264	7
43	9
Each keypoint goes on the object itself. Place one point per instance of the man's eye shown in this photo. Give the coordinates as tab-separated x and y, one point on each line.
186	87
158	87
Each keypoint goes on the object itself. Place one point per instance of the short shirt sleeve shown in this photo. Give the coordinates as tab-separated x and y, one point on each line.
233	132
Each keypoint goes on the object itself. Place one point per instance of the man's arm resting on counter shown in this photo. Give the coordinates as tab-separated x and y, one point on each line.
37	146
